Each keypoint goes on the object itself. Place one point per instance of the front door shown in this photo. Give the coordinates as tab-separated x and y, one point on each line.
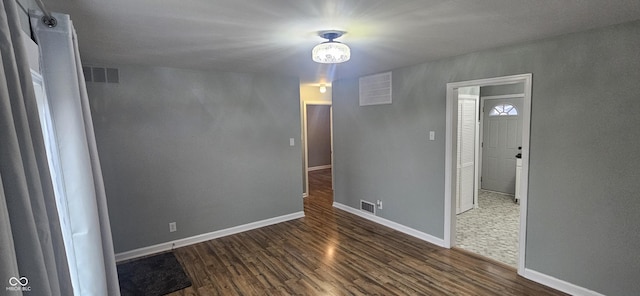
502	137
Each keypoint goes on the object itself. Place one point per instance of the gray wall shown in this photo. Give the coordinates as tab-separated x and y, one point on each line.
319	135
584	204
207	150
505	89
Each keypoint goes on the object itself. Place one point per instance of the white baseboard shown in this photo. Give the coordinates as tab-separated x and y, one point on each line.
320	167
533	275
204	237
393	225
558	284
305	195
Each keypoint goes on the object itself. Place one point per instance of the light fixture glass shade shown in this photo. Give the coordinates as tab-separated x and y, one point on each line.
331	52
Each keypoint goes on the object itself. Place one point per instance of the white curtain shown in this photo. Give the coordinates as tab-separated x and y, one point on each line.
32	253
89	246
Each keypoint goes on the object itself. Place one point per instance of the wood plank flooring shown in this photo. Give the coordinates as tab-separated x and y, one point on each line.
332	252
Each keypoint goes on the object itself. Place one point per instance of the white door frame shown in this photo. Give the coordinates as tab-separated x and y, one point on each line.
450	155
481	127
306	145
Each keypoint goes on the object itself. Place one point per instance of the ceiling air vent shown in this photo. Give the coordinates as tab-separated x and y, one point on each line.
101	75
375	89
368	206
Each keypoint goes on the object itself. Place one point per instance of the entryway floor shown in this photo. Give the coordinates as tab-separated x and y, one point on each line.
492	229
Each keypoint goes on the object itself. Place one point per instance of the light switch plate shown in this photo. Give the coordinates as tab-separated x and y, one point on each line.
291	142
432	135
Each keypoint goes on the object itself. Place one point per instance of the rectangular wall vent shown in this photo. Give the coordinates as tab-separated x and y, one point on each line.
112	75
101	74
375	89
87	74
368	206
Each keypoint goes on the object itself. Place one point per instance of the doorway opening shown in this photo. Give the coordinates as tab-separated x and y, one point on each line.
318	150
484	192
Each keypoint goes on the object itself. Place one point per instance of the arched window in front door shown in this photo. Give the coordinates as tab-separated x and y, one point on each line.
503	110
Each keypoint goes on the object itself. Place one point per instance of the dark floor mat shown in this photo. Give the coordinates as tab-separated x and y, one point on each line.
152	276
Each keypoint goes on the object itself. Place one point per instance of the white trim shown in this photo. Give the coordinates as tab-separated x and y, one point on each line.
510	96
393	225
449	222
558	284
304	136
478	161
333	175
320	167
304	194
524	177
450	146
204	237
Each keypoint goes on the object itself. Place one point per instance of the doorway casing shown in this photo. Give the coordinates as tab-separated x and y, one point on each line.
450	157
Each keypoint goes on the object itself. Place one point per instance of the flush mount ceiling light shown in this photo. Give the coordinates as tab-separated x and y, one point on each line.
331	52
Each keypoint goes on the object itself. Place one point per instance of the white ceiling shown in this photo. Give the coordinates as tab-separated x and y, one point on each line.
276	36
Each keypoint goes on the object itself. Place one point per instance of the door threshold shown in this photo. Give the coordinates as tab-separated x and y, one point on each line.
497	192
486	259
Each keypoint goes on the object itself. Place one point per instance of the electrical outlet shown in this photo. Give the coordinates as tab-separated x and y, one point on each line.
379	204
172	227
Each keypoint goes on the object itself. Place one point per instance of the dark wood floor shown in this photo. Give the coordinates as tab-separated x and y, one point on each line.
332	252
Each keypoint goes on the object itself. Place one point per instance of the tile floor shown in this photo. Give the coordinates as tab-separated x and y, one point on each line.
492	229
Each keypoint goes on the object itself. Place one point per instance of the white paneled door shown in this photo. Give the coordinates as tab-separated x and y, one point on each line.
467	120
502	135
